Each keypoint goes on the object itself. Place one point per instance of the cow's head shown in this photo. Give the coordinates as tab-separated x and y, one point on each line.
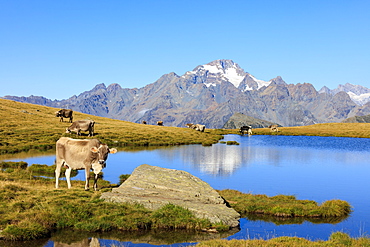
102	151
67	130
57	113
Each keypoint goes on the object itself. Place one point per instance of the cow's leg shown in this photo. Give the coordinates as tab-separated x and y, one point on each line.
68	176
96	176
87	178
57	173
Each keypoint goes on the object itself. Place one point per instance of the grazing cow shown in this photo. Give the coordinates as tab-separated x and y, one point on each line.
81	125
160	123
64	113
198	127
80	154
143	122
245	129
274	127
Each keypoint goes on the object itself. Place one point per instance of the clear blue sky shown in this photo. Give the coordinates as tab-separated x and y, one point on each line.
60	48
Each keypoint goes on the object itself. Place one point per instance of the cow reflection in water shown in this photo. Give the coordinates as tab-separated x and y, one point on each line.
93	242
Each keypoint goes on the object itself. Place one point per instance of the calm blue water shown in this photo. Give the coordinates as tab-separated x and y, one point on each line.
313	168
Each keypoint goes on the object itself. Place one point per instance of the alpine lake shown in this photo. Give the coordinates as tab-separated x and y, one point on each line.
308	167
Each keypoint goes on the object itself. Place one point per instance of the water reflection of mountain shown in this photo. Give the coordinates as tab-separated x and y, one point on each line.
220	159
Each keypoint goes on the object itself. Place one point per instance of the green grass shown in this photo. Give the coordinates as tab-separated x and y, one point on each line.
284	206
31	208
337	239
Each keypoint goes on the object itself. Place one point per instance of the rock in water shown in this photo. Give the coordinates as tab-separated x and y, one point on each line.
155	187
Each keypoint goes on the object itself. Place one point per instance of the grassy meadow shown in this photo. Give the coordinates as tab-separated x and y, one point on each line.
360	130
25	127
31	208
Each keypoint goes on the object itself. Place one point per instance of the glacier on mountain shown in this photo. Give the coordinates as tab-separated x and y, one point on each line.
360	99
358	94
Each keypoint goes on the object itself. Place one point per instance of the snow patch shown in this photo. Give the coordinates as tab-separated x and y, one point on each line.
360	99
230	74
142	112
212	69
233	76
260	83
210	84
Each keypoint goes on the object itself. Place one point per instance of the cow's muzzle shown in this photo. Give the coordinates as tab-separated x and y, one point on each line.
102	162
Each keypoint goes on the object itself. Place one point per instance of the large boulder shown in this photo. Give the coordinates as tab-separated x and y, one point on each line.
155	187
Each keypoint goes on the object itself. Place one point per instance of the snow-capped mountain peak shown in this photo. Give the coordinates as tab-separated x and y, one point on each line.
359	94
224	69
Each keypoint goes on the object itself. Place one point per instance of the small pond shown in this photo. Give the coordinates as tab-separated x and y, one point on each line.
312	168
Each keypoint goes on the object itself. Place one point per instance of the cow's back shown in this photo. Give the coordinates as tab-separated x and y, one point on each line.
84	125
76	152
66	113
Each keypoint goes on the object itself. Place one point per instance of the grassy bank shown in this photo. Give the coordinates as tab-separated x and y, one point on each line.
360	130
31	208
25	127
284	206
337	239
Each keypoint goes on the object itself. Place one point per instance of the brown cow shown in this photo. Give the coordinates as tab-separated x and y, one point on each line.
80	154
160	123
246	129
64	113
198	127
81	125
274	127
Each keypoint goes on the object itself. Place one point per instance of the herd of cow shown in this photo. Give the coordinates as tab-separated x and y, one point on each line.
76	154
91	154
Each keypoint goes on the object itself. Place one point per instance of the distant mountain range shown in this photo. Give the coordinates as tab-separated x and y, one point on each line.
211	94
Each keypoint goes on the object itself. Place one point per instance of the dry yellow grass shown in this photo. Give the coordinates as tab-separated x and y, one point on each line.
337	239
25	127
361	130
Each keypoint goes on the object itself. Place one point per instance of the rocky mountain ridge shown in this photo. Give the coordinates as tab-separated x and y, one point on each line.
210	94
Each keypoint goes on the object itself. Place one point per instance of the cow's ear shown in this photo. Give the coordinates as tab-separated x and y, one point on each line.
94	149
112	150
